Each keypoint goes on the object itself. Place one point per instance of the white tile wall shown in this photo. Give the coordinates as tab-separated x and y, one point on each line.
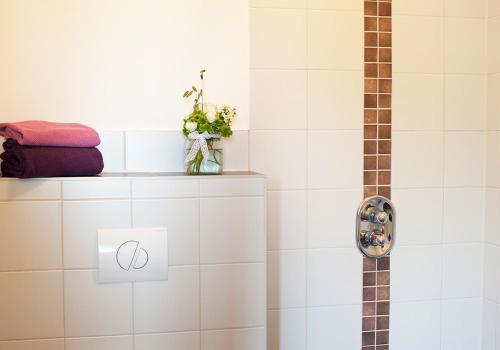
286	284
234	239
334	277
286	219
340	51
100	343
168	306
416	325
278	46
81	220
232	339
335	99
48	305
46	344
286	329
307	138
229	295
467	35
177	215
161	341
409	87
36	222
32	305
344	335
92	309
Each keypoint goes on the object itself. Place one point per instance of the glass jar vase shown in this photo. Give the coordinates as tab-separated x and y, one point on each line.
213	165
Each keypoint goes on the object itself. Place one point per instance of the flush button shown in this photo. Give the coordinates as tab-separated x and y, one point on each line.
128	255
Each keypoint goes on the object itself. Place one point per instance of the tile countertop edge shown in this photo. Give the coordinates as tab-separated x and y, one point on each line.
142	175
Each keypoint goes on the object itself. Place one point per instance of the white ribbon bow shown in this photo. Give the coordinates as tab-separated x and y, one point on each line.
199	142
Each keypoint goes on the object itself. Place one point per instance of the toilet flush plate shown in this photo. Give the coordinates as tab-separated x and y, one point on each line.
130	255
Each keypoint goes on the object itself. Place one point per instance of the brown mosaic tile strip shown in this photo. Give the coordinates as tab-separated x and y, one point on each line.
377	162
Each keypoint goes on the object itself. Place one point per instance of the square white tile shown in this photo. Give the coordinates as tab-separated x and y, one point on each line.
491	273
408	111
233	296
345	335
93	309
171	188
347	5
330	217
286	279
457	334
168	306
492	177
335	159
278	99
242	238
237	186
464	164
101	343
234	339
465	102
334	277
32	305
417	159
461	264
340	51
96	189
418	8
424	316
236	151
335	99
31	236
112	148
281	156
44	344
154	151
460	203
286	329
81	220
180	217
411	203
278	38
493	102
465	35
162	341
464	8
407	276
286	219
278	3
493	47
29	189
418	51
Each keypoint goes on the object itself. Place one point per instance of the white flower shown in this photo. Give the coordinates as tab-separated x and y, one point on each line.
228	113
191	126
211	110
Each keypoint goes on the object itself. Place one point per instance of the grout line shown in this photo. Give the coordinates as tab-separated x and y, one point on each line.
199	262
307	180
63	272
131	222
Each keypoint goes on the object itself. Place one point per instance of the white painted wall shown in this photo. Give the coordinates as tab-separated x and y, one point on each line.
120	64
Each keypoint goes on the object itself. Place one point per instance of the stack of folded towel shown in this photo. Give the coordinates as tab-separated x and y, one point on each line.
44	149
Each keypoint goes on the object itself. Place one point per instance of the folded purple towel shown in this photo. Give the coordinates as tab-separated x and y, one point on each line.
36	161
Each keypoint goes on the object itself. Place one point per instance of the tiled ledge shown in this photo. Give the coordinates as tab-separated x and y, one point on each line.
133	186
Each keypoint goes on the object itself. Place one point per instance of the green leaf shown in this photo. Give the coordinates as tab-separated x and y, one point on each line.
194	89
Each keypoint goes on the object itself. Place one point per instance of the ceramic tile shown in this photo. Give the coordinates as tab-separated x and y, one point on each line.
286	279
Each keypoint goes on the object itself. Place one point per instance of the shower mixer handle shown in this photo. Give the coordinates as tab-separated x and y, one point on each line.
375	227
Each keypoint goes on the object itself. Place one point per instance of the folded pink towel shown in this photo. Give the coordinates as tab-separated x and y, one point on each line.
41	133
